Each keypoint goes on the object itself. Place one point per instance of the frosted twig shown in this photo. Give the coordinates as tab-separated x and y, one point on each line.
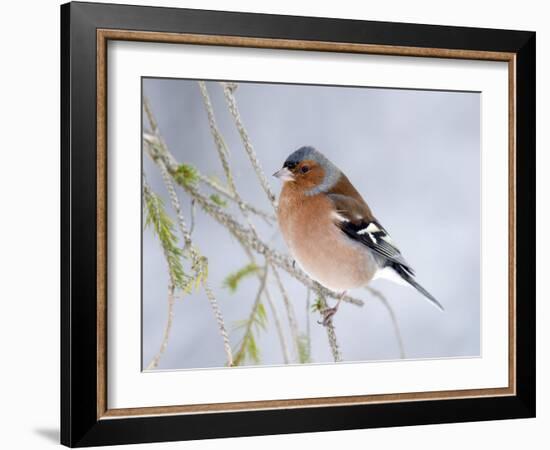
269	218
150	117
376	293
177	208
331	333
223	154
278	327
228	90
291	316
219	319
221	146
167	328
192	208
308	324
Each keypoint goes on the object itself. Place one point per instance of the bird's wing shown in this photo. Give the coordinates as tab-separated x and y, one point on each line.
354	218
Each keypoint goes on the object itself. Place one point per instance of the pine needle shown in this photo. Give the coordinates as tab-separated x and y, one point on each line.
232	281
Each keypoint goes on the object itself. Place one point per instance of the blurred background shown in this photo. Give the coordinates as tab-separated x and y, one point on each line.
415	158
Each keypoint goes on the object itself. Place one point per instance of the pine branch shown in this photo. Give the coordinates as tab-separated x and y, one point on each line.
163	227
199	265
278	327
160	154
156	215
192	174
221	146
257	319
187	176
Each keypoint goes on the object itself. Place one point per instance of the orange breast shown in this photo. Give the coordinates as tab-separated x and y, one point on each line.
323	251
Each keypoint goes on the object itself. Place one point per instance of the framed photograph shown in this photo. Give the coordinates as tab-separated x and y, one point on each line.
277	224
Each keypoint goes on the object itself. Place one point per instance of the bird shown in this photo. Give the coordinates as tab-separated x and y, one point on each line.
331	231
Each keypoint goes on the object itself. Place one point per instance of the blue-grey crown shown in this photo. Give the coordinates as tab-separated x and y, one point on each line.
301	154
332	173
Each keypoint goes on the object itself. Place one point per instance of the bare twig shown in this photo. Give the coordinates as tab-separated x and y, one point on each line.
278	327
219	319
291	316
376	293
167	328
192	208
331	333
228	90
308	324
269	218
223	154
221	146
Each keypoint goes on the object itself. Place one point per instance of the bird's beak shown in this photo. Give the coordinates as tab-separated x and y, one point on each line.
284	175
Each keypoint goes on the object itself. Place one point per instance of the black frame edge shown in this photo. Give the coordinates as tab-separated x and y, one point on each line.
65	416
78	219
525	223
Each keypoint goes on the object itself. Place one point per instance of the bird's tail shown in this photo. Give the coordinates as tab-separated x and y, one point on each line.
403	273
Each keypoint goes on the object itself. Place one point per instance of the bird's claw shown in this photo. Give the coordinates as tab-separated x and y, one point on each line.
328	314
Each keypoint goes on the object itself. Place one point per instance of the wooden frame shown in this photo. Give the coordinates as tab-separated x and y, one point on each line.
86	419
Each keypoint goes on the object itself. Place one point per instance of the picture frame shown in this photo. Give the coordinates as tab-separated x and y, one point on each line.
86	29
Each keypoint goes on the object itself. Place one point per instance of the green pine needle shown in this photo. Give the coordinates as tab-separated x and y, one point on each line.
248	349
218	200
163	227
303	349
317	305
233	279
187	175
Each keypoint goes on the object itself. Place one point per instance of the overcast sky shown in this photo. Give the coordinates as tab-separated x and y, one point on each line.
415	158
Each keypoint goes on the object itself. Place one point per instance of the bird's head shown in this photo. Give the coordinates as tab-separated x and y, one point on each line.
309	170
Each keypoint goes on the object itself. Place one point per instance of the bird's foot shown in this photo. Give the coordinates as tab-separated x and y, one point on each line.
328	314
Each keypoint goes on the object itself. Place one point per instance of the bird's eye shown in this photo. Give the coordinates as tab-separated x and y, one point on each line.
304	169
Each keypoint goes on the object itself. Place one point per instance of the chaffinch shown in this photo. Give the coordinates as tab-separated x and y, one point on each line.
331	231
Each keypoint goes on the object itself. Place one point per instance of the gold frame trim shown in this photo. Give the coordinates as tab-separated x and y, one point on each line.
103	36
